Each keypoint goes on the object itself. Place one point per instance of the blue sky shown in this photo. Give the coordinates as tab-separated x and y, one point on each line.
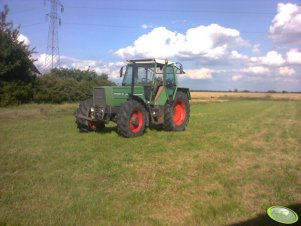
234	44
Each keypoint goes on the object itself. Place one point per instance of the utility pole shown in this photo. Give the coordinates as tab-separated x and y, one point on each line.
52	52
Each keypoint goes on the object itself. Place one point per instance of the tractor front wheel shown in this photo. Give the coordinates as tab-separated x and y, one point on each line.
131	119
82	124
176	114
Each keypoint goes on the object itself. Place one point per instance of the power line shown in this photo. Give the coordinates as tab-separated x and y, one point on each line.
31	25
169	28
21	11
104	25
171	10
116	26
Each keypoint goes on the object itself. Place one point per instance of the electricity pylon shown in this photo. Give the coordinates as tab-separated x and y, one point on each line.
53	52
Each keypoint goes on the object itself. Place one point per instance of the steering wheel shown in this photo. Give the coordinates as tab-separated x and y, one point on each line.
169	82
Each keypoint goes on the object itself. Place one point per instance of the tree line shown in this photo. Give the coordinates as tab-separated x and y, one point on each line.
19	84
67	85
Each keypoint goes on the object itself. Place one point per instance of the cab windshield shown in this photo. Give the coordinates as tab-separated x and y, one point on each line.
141	73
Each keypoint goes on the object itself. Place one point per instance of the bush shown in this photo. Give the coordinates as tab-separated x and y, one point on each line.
67	85
15	92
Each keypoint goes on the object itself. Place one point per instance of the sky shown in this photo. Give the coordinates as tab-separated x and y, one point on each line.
222	44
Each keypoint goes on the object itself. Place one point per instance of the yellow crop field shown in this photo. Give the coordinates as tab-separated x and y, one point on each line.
203	96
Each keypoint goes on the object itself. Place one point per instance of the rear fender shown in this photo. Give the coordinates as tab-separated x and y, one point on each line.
184	90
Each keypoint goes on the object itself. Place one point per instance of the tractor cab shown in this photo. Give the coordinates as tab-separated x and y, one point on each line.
157	77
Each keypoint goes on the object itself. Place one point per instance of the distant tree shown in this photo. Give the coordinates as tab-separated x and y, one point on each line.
68	85
16	77
77	74
54	89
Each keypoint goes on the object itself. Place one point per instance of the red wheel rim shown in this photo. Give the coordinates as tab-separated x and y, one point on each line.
179	113
136	121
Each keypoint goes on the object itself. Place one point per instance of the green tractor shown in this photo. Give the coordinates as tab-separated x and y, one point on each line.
149	95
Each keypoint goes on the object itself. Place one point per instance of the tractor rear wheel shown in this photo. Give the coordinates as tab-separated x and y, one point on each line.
85	125
131	119
177	113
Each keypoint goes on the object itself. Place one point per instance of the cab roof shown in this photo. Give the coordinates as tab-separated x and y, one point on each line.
158	61
147	61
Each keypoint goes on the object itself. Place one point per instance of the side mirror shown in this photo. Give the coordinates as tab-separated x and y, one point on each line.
121	72
180	68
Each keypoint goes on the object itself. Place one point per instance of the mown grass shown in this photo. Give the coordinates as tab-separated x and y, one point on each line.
235	159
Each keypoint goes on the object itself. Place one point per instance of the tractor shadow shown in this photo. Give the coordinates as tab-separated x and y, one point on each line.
264	219
110	129
107	130
155	127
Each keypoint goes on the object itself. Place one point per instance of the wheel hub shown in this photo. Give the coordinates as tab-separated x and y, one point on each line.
179	113
135	121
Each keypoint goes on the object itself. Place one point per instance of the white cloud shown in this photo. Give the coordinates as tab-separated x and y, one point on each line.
210	42
286	71
286	25
294	56
256	70
237	77
272	58
112	68
256	48
146	26
40	61
159	43
203	73
24	39
237	55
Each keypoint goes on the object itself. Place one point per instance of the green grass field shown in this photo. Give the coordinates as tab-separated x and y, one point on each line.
235	159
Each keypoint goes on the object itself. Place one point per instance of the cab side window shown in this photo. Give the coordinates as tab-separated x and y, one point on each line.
169	76
127	80
145	75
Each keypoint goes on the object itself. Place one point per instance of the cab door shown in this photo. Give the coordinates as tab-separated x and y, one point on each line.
170	82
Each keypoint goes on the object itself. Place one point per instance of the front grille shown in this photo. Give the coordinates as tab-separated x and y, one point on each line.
99	97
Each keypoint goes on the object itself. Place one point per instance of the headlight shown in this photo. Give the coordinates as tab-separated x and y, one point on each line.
92	109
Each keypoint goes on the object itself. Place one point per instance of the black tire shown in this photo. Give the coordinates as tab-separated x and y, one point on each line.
131	120
177	113
82	124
